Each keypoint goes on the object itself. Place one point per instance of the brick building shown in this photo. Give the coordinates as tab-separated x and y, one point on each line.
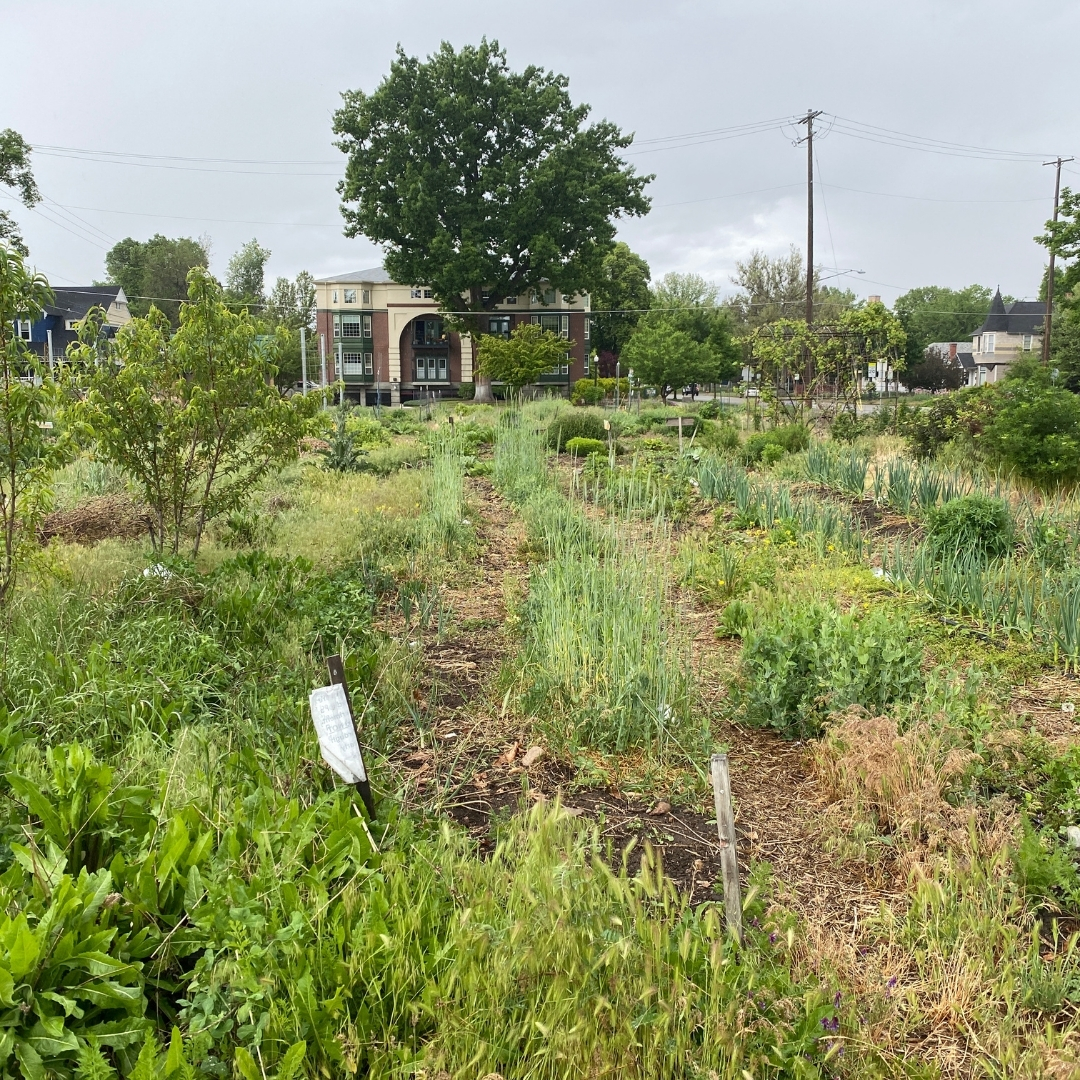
388	342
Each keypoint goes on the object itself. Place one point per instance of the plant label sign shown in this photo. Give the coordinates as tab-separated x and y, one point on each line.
337	735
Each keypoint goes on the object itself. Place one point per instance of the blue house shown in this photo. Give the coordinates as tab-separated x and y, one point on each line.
56	329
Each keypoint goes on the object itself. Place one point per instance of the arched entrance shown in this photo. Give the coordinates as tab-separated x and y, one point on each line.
430	356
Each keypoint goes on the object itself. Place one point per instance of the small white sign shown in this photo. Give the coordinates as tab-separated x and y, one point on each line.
337	736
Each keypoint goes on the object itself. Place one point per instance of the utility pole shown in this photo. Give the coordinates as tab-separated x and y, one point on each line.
808	120
1058	162
303	360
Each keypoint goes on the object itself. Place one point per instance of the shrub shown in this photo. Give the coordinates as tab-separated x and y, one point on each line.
594	391
791	437
806	662
771	453
583	447
1036	431
847	428
717	436
586	392
578	424
467	391
710	410
974	523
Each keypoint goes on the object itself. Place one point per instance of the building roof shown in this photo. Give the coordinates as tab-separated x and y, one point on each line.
376	276
1019	317
74	303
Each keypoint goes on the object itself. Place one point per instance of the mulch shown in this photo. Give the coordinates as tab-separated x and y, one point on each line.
107	517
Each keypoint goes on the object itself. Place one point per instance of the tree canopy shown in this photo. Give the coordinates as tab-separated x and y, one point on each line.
775	288
481	182
192	416
154	272
936	371
620	296
690	306
245	278
15	172
523	357
934	313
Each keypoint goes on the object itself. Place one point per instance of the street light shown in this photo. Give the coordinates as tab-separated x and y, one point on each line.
618	364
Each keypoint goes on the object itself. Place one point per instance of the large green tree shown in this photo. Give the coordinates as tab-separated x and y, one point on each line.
290	305
662	355
775	288
192	416
934	313
620	296
154	272
481	182
690	305
15	172
245	278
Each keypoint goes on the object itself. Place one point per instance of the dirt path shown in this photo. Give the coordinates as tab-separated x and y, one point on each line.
470	759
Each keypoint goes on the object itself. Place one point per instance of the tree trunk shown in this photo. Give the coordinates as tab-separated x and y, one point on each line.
482	393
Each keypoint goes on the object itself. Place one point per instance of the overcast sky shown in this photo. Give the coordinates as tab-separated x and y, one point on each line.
260	82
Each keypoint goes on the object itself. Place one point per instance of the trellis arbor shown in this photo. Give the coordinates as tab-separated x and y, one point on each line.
825	363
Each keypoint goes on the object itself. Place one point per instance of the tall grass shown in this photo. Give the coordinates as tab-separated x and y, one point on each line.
600	665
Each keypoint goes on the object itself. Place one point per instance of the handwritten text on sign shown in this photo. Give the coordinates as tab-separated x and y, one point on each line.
337	736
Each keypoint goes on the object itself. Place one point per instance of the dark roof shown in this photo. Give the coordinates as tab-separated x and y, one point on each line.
1019	317
375	276
74	303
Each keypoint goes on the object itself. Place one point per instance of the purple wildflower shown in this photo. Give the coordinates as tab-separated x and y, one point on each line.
772	938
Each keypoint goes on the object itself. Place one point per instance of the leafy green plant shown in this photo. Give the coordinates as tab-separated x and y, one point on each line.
29	452
575	424
977	524
584	447
771	453
806	661
791	438
343	454
193	417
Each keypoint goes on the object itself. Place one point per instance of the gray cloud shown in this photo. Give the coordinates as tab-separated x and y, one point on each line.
260	81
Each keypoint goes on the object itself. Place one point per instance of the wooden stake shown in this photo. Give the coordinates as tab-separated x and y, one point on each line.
725	827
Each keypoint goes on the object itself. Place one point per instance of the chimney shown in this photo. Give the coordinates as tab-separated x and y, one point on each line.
952	350
874	299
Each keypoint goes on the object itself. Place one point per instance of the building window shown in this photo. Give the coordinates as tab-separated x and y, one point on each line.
366	296
510	300
988	342
22	329
587	358
431	369
71	324
334	297
367	326
588	327
427	294
350	296
416	294
555	324
499	326
367	363
428	332
337	325
352	363
1027	343
350	326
